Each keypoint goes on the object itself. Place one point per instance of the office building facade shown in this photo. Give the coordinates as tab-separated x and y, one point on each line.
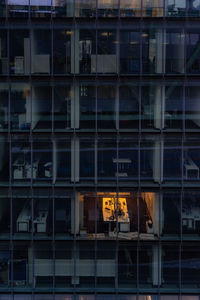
99	149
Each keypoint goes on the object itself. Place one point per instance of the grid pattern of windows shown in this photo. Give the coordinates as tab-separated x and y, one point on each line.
99	149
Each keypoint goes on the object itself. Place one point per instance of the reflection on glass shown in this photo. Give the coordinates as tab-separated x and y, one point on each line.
62	159
172	161
106	160
194	8
192	113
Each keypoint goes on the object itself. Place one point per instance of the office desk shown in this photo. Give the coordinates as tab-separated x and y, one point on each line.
24	218
190	217
191	167
41	222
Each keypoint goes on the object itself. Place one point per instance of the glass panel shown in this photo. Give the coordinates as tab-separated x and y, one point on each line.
41	9
106	107
41	51
3	52
63	97
192	51
4	215
190	260
145	265
174	51
86	51
21	263
5	259
106	264
170	267
151	106
191	215
108	8
3	106
4	160
42	223
172	161
149	215
63	214
127	267
128	107
21	161
130	52
152	51
85	8
193	8
127	162
191	160
170	214
87	215
41	107
192	112
62	50
85	274
22	214
106	52
130	8
3	9
18	8
175	8
43	265
152	8
106	160
62	159
62	8
87	94
42	158
19	52
20	107
146	163
64	267
173	106
87	160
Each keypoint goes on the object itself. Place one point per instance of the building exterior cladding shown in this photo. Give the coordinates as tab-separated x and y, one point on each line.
99	149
